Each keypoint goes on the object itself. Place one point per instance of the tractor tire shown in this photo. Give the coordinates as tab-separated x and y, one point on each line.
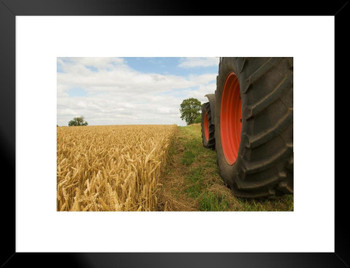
208	128
254	125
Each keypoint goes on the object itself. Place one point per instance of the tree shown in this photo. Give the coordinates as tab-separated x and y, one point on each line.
198	119
190	110
77	121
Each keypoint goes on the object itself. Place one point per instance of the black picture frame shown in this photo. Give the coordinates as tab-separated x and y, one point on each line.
9	9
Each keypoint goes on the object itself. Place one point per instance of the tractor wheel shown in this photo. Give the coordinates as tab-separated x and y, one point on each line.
254	125
208	128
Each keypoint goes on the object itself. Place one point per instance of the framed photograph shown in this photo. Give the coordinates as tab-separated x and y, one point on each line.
163	135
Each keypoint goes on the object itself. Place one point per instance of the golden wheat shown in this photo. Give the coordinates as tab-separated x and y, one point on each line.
110	168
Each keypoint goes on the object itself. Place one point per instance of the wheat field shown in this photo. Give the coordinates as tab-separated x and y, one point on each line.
111	168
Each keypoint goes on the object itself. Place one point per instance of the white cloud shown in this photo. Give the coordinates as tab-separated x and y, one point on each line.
117	94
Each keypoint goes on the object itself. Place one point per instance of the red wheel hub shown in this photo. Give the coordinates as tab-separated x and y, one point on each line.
206	126
231	118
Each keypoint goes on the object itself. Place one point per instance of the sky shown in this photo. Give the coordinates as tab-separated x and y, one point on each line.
132	90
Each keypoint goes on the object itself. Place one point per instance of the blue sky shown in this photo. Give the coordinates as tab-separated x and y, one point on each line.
132	90
77	92
167	65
